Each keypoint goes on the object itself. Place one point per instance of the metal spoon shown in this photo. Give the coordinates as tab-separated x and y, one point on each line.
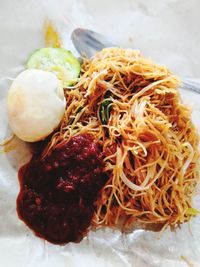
88	42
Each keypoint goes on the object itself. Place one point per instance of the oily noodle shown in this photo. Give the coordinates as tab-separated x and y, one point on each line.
149	141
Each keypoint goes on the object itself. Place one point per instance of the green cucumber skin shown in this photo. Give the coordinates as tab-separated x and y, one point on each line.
44	58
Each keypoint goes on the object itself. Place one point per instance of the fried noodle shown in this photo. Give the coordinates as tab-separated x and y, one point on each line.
149	141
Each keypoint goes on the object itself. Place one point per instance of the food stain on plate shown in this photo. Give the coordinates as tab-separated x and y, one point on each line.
8	144
52	38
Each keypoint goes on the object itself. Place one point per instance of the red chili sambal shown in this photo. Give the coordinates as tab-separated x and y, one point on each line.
57	193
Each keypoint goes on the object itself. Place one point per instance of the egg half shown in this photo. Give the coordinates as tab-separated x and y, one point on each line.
36	104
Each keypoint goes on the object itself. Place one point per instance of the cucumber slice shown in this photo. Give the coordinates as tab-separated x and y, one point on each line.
57	60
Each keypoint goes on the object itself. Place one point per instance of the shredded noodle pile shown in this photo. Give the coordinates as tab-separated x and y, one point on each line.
132	107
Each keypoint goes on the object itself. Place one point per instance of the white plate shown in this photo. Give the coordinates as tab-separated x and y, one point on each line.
167	31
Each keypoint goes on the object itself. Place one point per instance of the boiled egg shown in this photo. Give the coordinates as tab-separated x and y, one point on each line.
36	104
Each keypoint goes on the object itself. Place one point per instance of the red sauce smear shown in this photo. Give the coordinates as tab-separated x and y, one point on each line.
57	193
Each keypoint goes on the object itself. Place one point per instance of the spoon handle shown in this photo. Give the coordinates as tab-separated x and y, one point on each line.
191	85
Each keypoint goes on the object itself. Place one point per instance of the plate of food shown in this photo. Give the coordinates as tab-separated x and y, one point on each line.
99	152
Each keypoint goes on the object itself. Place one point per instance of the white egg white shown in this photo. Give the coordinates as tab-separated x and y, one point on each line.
36	104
